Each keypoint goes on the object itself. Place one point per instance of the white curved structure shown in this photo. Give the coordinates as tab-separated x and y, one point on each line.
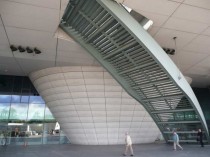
91	107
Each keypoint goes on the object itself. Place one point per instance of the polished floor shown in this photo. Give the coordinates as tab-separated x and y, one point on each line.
144	150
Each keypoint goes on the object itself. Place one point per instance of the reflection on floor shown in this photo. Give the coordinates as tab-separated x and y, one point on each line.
144	150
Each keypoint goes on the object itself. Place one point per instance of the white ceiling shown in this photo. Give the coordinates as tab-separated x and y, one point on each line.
33	23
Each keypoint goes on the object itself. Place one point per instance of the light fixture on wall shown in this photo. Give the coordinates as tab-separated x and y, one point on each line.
21	49
36	51
169	51
29	50
13	48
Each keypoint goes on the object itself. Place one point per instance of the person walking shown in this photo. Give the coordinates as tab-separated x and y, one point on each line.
128	144
176	141
200	137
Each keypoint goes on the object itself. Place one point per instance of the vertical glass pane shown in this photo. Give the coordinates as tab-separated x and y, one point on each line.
36	112
18	112
51	134
17	133
4	112
48	115
15	99
36	100
63	138
34	134
4	134
5	98
24	99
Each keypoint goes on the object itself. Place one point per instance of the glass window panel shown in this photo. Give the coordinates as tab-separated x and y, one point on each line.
4	134
34	134
5	98
63	138
4	112
51	135
36	112
15	98
18	112
24	99
48	115
36	100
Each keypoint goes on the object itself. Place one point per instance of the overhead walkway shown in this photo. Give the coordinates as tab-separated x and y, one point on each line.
120	44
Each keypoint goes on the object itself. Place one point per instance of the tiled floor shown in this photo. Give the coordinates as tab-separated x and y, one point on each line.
144	150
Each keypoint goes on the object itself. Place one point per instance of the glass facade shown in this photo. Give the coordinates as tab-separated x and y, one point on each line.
24	117
203	96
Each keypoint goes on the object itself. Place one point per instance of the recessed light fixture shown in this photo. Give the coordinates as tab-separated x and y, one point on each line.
127	8
169	51
21	49
148	25
29	50
13	48
37	51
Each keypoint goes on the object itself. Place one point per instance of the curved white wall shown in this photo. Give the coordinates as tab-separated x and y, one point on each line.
91	107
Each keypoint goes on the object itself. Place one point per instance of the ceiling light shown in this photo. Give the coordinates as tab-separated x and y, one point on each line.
29	50
21	49
127	8
169	51
148	25
37	51
13	48
15	124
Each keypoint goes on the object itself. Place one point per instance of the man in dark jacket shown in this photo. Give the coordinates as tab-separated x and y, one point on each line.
200	137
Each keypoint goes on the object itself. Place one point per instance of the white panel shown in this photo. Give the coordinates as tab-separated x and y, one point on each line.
163	7
79	95
95	88
94	75
75	82
199	3
53	4
113	88
185	25
97	100
94	81
165	38
99	119
96	94
207	31
113	94
72	75
77	88
3	39
192	13
110	82
199	44
98	107
88	69
41	40
88	125
116	101
86	119
85	107
80	101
